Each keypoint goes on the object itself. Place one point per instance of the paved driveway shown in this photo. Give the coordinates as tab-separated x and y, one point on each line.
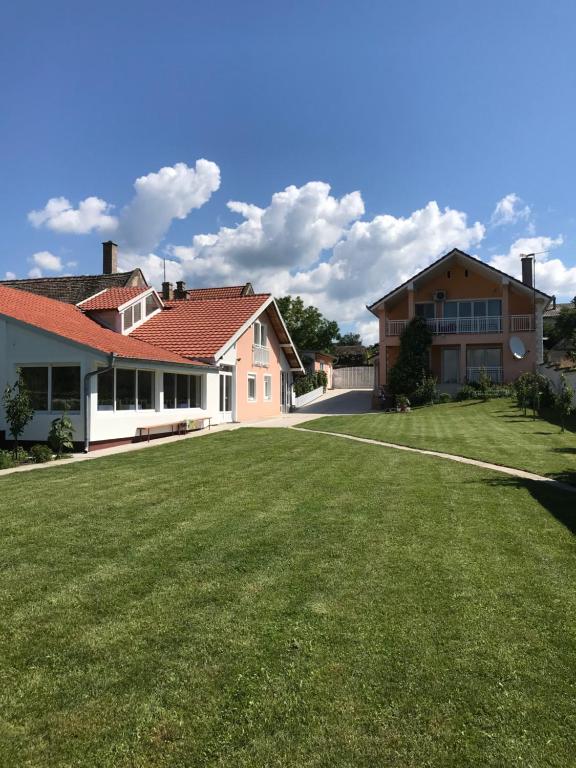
336	402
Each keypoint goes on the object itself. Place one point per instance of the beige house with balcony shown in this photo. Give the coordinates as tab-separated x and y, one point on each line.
473	311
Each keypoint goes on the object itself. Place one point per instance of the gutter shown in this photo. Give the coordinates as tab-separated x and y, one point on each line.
87	394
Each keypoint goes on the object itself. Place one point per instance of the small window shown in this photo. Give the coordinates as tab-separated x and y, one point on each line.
36	382
267	387
127	319
146	390
125	389
252	387
106	391
260	334
65	388
137	312
151	304
448	275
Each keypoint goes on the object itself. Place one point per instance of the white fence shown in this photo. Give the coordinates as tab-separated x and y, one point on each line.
309	397
359	377
554	374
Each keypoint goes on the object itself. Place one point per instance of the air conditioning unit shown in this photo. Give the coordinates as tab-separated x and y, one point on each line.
439	295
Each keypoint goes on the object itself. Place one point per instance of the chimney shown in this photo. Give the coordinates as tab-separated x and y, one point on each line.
109	258
167	292
527	270
180	292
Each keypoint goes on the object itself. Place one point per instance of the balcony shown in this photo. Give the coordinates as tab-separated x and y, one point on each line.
494	373
441	326
260	356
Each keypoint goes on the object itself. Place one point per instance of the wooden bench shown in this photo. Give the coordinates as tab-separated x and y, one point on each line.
181	426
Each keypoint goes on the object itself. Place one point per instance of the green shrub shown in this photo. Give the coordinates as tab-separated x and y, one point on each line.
426	391
533	391
467	392
412	363
310	382
564	400
6	460
444	397
322	379
61	435
40	453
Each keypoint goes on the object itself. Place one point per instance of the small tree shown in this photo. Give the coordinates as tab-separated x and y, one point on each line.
484	384
564	400
61	435
18	409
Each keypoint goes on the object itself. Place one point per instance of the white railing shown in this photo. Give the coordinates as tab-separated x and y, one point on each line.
309	397
521	322
441	326
260	355
494	373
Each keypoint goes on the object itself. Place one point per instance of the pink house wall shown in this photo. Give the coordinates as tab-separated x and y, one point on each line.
260	409
327	370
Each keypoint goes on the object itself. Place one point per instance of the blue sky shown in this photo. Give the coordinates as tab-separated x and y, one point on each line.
416	107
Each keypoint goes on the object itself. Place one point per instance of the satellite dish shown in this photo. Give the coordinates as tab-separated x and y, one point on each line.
517	347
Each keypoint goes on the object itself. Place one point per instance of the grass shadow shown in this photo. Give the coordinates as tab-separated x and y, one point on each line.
566	449
560	503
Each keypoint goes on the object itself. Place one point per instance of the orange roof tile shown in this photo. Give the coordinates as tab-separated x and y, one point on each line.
199	328
226	292
69	322
111	298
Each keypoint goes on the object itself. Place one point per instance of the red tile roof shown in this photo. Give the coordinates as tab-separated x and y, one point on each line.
199	328
69	322
227	292
111	298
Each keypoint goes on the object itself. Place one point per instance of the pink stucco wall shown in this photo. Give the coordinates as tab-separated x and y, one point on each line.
327	369
260	409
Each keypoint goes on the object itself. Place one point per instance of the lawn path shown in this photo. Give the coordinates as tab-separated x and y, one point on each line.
451	456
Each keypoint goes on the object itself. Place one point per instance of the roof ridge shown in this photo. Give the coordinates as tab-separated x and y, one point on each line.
64	277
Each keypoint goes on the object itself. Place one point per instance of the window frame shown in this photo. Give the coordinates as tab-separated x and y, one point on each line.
252	377
49	389
268	381
137	408
260	334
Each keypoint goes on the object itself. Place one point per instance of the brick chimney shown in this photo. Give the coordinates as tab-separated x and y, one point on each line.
109	258
167	292
527	277
180	292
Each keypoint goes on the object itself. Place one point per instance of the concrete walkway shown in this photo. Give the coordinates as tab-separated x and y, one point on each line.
336	402
450	456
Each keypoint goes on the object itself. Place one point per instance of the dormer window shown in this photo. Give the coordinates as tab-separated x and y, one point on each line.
127	318
151	304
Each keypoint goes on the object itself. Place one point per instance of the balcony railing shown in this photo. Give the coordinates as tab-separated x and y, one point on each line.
441	326
494	373
260	356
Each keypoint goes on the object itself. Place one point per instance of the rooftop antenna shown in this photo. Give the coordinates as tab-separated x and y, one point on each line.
164	260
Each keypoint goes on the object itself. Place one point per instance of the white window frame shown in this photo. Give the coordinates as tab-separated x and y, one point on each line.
50	366
260	334
267	387
136	409
188	407
254	378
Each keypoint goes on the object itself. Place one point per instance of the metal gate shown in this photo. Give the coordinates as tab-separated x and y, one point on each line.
359	377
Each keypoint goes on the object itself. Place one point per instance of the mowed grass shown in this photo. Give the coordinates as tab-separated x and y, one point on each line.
496	431
273	598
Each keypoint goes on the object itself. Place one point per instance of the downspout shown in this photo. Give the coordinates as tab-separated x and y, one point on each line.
87	394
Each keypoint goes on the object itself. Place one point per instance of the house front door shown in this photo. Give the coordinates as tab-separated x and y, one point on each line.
450	366
225	395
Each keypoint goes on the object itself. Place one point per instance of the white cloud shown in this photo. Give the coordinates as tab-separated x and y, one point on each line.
153	267
10	276
298	225
552	275
59	215
35	272
510	210
48	261
159	198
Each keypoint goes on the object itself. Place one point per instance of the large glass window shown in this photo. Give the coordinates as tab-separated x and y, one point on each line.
486	357
181	391
425	309
125	389
195	392
65	388
106	391
35	379
145	390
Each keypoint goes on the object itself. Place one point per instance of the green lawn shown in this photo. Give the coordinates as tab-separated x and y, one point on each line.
268	598
496	431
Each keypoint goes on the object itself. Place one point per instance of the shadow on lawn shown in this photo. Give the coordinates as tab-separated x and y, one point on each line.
561	504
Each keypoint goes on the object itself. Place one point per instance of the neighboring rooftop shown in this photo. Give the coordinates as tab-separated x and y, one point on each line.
69	322
75	288
555	311
111	298
225	292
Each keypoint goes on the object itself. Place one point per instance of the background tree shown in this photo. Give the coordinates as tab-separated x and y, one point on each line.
350	340
308	327
562	328
18	409
564	400
412	365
